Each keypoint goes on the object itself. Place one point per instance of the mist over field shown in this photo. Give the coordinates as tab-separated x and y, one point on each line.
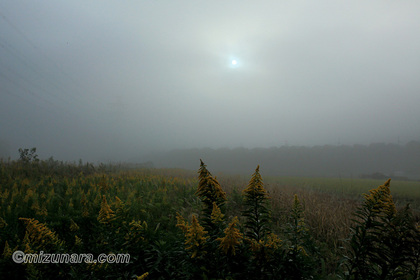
374	161
123	81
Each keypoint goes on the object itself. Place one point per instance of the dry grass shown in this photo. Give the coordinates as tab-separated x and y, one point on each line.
328	215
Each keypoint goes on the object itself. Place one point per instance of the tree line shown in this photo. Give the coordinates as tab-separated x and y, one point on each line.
389	160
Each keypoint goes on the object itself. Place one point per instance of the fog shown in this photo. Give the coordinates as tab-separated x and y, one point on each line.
115	80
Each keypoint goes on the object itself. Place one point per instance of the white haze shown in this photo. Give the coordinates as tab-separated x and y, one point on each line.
112	80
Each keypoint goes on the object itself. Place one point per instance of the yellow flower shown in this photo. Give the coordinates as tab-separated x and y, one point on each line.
4	195
120	209
264	248
380	199
3	223
29	195
77	240
256	208
181	223
71	204
106	215
256	246
73	226
143	276
118	203
302	250
195	237
136	232
84	202
209	189
231	239
216	214
256	186
296	202
98	198
96	266
38	235
25	182
273	242
7	252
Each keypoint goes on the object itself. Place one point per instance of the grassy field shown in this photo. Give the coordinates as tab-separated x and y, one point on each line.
402	191
348	185
171	231
329	202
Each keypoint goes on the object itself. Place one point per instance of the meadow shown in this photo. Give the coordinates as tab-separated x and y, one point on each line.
180	224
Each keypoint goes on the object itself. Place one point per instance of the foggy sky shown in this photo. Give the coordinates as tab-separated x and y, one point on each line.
111	80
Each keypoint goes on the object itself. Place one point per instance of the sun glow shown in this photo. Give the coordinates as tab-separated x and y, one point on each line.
234	63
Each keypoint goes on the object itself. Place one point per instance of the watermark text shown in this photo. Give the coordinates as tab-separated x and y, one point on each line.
41	257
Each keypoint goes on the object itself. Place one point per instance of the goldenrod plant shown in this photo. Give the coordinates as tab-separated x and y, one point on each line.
256	211
299	246
181	223
7	251
39	237
298	229
143	276
213	198
73	226
231	239
85	207
136	232
3	223
121	210
209	189
195	239
106	214
384	242
216	214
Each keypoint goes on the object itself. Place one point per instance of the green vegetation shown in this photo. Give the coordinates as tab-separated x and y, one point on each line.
404	191
177	225
383	239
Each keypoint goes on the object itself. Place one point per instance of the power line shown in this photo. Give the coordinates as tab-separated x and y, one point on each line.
34	84
18	31
33	67
25	88
25	60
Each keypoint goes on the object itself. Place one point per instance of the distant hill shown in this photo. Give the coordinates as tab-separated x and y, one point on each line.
391	160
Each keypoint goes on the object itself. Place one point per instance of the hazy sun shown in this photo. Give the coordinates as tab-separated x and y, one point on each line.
234	62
